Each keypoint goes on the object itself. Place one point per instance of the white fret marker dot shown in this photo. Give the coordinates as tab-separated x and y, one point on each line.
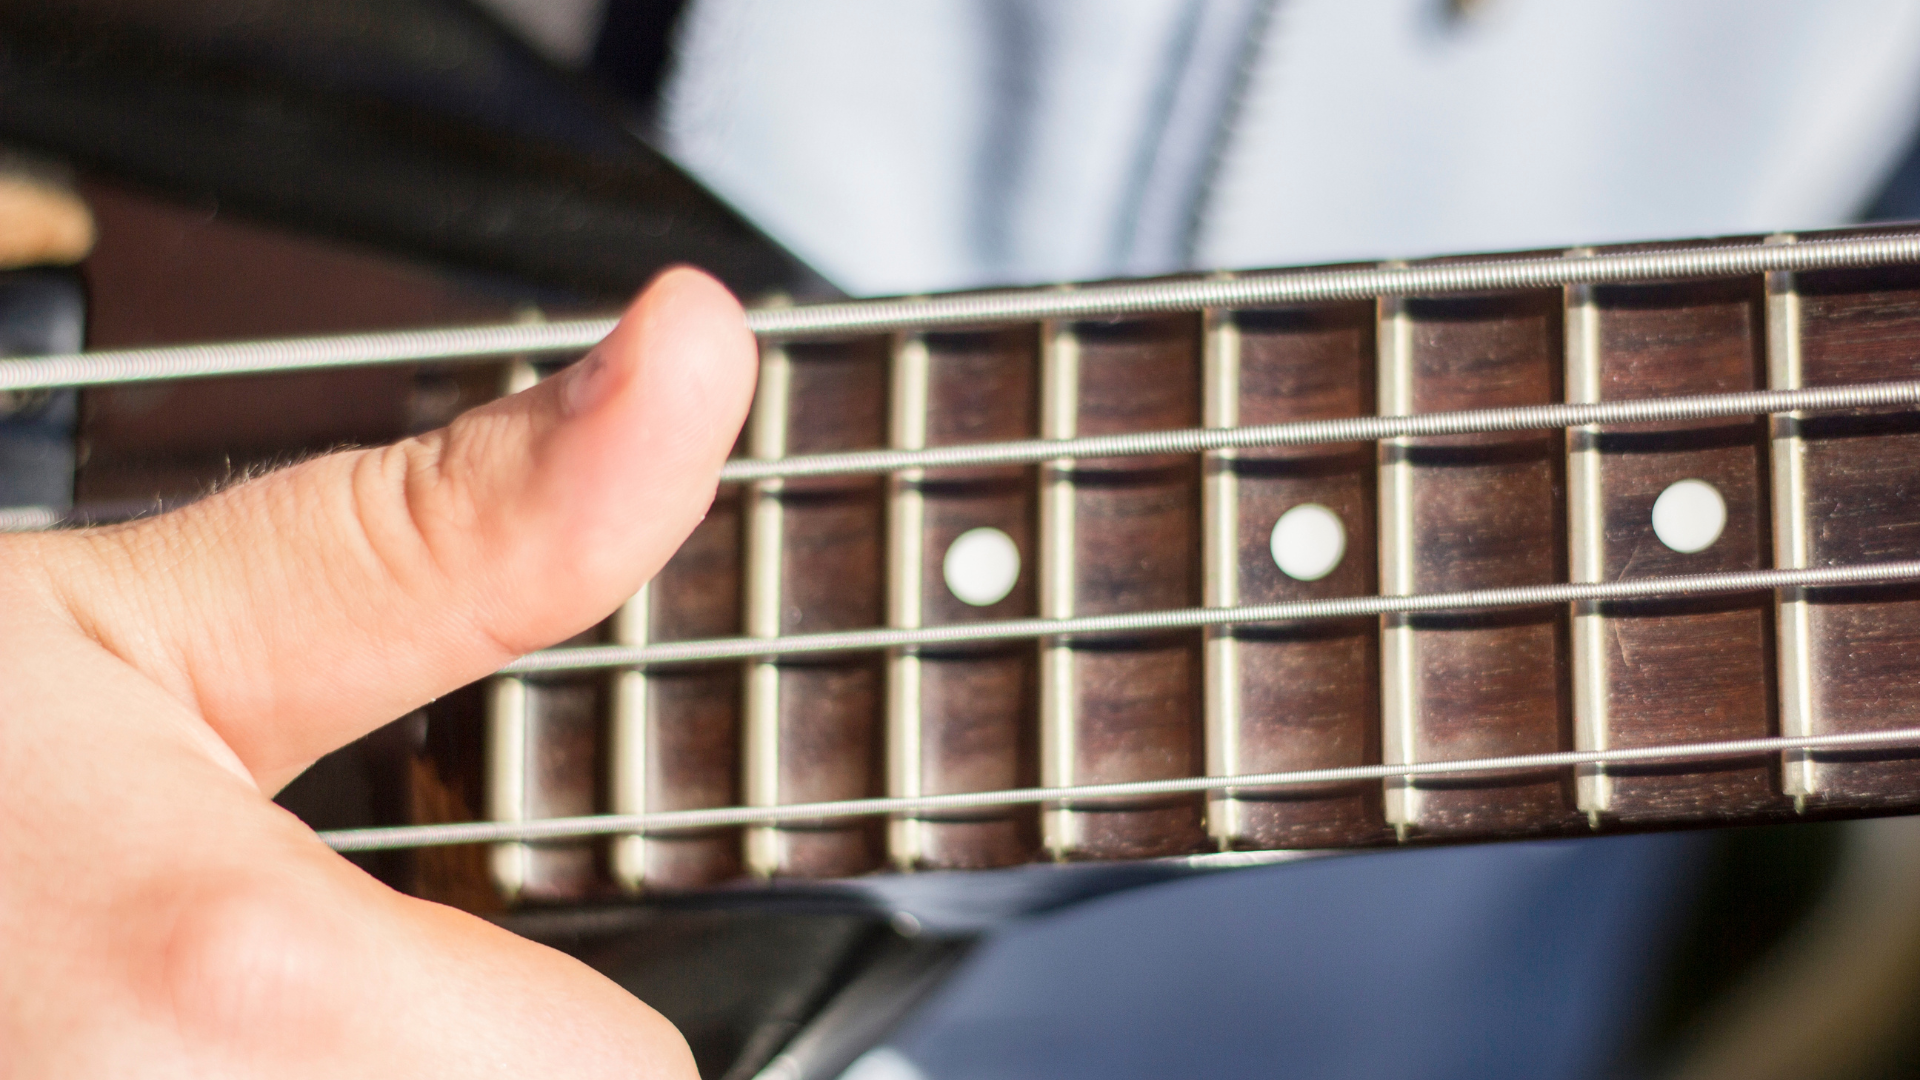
1308	542
981	566
1689	515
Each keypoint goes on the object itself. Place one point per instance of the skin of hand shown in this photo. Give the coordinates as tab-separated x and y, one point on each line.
159	916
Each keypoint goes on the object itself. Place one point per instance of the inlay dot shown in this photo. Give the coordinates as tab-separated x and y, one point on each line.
1689	516
1308	542
982	566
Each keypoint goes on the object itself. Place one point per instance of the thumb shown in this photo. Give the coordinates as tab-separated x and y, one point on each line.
302	609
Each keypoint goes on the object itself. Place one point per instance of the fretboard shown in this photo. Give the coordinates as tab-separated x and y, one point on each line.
1380	585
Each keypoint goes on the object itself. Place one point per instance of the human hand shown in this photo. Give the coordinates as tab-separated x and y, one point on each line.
159	916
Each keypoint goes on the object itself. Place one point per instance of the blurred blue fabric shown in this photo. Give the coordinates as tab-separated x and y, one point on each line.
1522	960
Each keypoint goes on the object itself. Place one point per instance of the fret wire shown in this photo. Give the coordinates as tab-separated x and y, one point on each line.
906	548
590	657
1220	568
631	741
1787	464
1586	534
509	865
508	722
414	836
1268	288
1352	429
1399	704
765	849
1059	696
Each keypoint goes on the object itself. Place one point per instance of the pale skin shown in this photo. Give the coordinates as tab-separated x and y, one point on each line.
159	916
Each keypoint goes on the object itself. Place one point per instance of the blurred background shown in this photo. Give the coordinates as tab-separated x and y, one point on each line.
230	168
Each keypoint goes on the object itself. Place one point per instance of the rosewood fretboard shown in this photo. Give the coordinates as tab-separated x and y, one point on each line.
1428	514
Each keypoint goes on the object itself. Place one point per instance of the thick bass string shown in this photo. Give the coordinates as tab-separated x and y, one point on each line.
879	316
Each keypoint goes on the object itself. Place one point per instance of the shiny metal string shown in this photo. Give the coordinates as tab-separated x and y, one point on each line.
30	518
1294	433
1273	288
485	832
283	355
1264	289
587	658
1351	429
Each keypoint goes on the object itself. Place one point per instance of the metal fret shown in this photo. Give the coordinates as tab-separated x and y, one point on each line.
1059	419
509	865
1586	537
1220	568
1399	709
507	735
765	536
906	544
631	739
1790	530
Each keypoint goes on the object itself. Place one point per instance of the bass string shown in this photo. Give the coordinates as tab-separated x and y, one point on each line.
1349	429
669	821
1263	289
1256	436
597	657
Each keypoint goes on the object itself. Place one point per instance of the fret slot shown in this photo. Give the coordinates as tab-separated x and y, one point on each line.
1859	472
1672	671
1293	697
964	719
763	523
1122	535
815	728
1474	511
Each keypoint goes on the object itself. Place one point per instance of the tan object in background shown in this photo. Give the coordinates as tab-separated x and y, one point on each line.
41	223
1841	996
